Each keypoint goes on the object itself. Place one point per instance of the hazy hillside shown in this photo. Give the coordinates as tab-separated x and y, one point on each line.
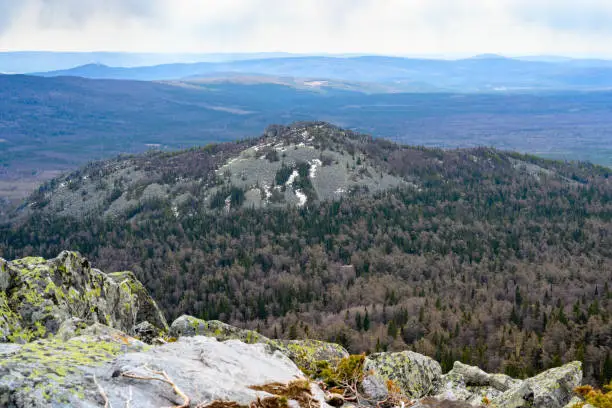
22	62
56	124
486	73
493	258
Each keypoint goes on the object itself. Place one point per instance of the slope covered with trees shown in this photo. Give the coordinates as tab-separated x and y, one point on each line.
496	259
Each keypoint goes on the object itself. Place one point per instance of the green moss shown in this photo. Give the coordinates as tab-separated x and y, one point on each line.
30	260
346	371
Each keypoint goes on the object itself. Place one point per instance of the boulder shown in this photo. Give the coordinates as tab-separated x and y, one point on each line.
78	372
37	296
473	385
416	375
553	388
189	326
305	353
146	332
54	372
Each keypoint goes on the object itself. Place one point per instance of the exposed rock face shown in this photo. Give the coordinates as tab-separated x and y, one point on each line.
74	372
303	352
55	372
37	296
203	368
471	384
415	374
189	326
550	389
85	321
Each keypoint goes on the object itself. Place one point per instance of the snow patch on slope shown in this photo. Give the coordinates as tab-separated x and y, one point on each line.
313	168
292	178
302	197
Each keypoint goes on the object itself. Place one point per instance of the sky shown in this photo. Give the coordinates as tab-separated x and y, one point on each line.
392	27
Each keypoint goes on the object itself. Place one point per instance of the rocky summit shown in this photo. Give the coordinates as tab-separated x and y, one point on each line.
73	336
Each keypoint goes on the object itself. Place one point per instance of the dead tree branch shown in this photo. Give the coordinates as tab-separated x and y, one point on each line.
165	379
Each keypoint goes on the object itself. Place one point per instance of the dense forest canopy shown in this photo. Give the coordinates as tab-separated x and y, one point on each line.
496	259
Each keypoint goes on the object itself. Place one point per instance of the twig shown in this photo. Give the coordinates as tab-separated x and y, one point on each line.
107	403
186	400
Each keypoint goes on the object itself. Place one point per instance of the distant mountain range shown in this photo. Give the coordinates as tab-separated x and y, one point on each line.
29	61
485	73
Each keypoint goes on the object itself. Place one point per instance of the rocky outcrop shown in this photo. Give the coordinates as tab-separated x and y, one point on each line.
550	389
415	374
305	353
82	338
37	296
82	371
471	384
58	372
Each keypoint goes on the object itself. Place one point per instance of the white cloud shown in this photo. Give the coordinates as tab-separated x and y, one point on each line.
308	26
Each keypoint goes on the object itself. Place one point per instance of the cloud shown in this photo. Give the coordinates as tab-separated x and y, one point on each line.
447	27
75	13
568	15
69	14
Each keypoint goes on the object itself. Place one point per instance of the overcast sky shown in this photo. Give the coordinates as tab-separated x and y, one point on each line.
399	27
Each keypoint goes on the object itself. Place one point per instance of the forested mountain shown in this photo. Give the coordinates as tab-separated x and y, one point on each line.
58	124
496	259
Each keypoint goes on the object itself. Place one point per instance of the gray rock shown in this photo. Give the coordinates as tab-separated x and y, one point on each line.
38	296
5	278
303	352
146	332
474	376
416	375
189	326
70	328
9	349
53	372
550	389
472	385
73	373
575	400
203	368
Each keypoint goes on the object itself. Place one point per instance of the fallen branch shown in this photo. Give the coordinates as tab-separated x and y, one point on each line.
166	379
107	403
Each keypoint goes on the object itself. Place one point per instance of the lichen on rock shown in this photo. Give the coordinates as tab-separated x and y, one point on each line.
553	388
37	296
416	375
305	353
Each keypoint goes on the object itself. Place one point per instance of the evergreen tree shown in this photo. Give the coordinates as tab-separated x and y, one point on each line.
366	321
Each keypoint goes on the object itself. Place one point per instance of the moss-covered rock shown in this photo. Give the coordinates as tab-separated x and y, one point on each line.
415	374
55	372
473	385
37	296
553	388
189	326
305	353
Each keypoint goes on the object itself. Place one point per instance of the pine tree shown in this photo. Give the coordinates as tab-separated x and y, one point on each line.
392	329
518	298
607	369
358	321
366	321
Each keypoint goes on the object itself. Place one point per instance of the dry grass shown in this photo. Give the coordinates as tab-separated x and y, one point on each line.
298	390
